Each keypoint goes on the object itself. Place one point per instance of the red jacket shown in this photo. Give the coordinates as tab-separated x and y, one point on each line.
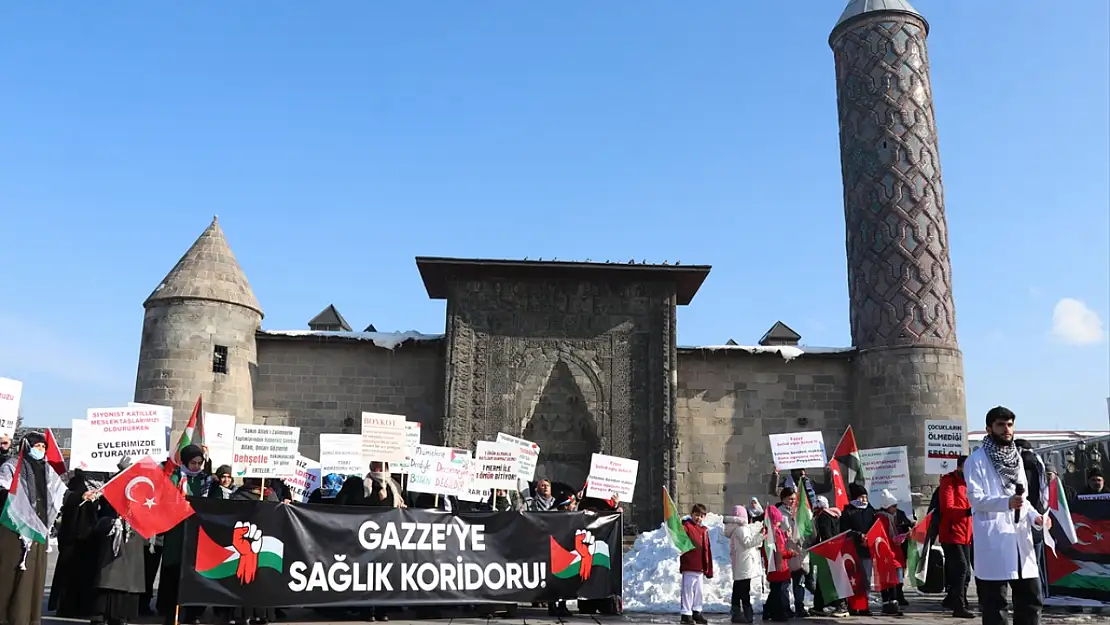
955	510
700	558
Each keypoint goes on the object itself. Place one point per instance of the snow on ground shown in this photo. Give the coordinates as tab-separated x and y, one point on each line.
652	580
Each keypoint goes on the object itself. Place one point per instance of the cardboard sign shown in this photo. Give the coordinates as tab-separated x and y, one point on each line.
383	438
265	450
497	465
11	391
114	433
945	442
305	479
610	475
529	455
440	470
342	454
798	450
889	468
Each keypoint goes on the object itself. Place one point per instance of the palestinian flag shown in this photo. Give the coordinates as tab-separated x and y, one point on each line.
19	513
1061	513
917	560
673	523
803	517
192	435
839	574
847	456
769	548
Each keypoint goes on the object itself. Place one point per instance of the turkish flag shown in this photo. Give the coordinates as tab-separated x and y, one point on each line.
884	562
1093	535
840	493
147	499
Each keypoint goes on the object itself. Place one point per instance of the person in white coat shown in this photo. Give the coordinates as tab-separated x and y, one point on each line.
1002	525
744	541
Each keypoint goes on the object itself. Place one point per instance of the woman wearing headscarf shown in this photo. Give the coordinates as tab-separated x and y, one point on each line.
193	481
744	541
23	561
381	489
120	577
252	490
78	549
223	484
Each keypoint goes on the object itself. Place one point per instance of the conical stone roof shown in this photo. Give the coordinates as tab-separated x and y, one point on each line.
857	8
208	271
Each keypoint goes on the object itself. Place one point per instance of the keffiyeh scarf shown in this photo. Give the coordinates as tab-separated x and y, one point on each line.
1006	460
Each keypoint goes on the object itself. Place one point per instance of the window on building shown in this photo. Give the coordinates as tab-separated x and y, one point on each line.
219	359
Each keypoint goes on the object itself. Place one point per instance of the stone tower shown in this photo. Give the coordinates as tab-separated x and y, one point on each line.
909	367
199	334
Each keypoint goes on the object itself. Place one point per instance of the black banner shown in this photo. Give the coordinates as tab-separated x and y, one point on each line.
272	555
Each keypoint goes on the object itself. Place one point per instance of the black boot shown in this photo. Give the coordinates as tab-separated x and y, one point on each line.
686	619
699	618
748	615
891	609
902	601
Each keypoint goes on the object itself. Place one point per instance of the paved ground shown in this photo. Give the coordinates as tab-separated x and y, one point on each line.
924	610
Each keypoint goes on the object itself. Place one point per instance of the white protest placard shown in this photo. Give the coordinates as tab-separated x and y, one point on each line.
342	454
305	479
412	439
889	468
798	450
439	470
219	437
164	412
11	391
81	445
383	438
945	442
472	493
529	455
265	450
497	465
113	433
610	475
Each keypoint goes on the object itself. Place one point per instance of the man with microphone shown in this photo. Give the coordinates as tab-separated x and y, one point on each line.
1002	523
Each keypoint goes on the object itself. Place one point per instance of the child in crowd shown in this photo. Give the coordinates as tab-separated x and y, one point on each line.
777	607
744	540
695	565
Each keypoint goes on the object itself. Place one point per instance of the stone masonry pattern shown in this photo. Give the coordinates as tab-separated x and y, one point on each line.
899	272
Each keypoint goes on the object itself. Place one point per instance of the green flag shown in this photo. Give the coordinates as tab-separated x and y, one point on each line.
803	517
673	522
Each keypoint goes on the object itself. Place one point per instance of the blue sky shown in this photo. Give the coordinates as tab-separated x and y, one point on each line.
338	141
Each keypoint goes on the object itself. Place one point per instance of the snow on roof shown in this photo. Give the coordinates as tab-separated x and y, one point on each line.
385	340
788	352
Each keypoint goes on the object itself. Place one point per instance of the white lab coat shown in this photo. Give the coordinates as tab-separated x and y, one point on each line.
1000	544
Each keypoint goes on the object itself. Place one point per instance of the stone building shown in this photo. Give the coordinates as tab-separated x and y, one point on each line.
582	357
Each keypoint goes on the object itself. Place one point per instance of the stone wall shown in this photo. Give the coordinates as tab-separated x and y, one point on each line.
323	384
730	400
176	353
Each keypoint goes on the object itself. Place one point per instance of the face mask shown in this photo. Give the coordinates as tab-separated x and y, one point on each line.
38	454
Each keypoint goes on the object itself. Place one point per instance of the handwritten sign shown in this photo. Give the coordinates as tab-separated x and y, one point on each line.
10	393
265	450
439	470
889	468
473	494
497	465
945	442
798	450
305	479
383	438
610	475
342	454
529	455
412	439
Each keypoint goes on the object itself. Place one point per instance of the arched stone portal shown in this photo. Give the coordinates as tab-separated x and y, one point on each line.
562	425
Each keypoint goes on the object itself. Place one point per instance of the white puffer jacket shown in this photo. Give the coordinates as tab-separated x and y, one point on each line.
744	541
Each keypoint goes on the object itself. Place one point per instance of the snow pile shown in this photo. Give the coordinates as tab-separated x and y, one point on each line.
385	340
652	582
788	352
